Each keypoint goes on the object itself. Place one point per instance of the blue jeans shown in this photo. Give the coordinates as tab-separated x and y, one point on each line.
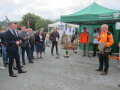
5	56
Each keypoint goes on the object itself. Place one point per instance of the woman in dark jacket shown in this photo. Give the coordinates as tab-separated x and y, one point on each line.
39	39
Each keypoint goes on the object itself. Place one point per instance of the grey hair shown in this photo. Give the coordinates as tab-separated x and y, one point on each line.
105	26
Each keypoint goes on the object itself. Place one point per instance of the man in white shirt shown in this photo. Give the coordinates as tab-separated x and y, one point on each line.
95	41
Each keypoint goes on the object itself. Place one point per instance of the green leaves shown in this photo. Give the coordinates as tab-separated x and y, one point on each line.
35	22
42	23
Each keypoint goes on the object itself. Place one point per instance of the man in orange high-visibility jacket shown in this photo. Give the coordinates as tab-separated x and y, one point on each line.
85	40
106	38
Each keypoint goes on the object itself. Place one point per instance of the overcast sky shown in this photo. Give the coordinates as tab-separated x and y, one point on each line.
48	9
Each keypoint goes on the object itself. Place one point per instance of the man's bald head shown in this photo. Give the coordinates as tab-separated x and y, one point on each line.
104	27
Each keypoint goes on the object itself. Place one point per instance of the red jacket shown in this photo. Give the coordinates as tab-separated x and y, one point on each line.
85	37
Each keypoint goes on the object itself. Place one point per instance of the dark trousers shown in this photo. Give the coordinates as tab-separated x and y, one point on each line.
13	53
103	62
95	46
54	43
44	47
32	51
27	49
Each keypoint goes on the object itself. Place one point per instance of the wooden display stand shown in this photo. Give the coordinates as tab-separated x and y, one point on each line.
71	46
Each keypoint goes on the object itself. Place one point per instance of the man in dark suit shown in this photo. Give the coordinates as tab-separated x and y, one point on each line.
13	41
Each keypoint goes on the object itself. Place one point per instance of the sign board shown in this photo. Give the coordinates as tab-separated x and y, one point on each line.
60	27
118	25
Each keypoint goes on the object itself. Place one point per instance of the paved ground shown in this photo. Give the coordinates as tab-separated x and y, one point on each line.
74	73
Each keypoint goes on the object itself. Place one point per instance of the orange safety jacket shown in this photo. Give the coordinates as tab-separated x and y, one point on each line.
106	37
84	37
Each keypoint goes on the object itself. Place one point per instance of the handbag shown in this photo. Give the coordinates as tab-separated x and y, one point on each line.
101	47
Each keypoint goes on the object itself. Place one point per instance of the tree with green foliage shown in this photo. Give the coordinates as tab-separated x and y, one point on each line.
31	18
42	23
35	22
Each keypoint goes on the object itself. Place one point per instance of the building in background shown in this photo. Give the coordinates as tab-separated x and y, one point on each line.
63	27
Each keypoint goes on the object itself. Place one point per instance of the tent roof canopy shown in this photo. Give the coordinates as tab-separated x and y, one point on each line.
60	23
54	24
93	14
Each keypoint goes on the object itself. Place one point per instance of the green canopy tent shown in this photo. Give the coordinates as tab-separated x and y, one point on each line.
93	16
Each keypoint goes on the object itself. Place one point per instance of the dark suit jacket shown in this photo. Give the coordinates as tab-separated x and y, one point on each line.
11	39
2	37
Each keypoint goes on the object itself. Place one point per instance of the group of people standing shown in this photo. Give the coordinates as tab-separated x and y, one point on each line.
102	41
16	42
25	39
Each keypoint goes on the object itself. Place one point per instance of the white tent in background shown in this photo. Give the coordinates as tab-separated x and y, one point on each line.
63	27
54	24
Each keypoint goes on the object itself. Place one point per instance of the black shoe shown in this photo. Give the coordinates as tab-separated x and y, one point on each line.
99	70
22	71
57	53
84	55
93	55
41	57
118	85
31	62
104	73
15	68
24	63
13	75
5	65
